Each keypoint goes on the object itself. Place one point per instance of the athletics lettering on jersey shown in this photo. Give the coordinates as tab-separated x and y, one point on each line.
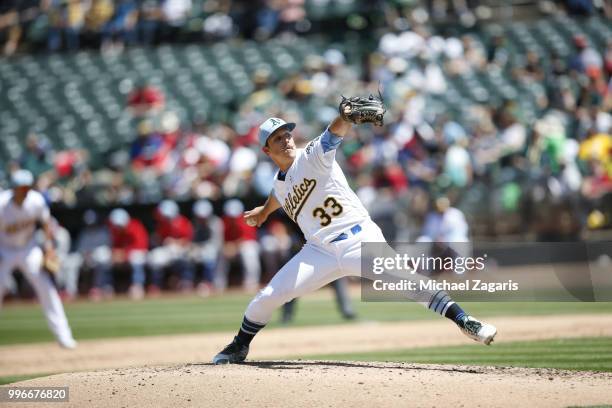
314	177
295	202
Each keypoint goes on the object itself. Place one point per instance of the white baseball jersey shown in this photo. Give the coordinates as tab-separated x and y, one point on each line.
315	194
18	223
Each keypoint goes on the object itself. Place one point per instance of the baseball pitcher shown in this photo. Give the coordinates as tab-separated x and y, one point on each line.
312	189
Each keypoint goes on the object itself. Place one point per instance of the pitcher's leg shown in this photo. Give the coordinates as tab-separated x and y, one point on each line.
307	271
351	263
437	301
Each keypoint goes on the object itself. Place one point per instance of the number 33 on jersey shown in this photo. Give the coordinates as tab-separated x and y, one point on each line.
323	215
315	194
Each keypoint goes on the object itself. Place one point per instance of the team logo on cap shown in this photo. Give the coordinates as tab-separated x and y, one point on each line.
275	122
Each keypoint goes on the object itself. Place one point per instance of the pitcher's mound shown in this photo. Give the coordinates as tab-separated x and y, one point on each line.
329	384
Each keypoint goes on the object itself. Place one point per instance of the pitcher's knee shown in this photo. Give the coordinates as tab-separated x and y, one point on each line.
264	303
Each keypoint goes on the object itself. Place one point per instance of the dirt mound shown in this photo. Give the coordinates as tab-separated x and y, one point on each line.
327	383
283	343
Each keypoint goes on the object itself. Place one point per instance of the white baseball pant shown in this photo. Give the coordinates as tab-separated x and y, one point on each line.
316	266
29	261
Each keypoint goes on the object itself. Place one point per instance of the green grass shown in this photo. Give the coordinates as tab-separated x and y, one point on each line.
570	354
14	378
24	323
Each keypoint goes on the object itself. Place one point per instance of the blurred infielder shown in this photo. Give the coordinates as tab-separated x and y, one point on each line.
313	191
21	209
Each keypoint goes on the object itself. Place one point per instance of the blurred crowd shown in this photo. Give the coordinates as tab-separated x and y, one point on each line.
113	24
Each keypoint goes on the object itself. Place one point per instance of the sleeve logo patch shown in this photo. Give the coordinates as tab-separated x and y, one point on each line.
310	145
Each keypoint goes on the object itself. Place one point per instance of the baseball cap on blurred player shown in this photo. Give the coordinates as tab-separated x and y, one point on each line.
202	208
233	208
271	125
22	178
119	217
168	209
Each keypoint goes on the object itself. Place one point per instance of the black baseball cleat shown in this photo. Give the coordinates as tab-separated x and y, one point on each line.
478	331
232	353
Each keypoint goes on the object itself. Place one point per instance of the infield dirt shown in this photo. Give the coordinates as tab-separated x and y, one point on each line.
283	343
327	384
175	370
